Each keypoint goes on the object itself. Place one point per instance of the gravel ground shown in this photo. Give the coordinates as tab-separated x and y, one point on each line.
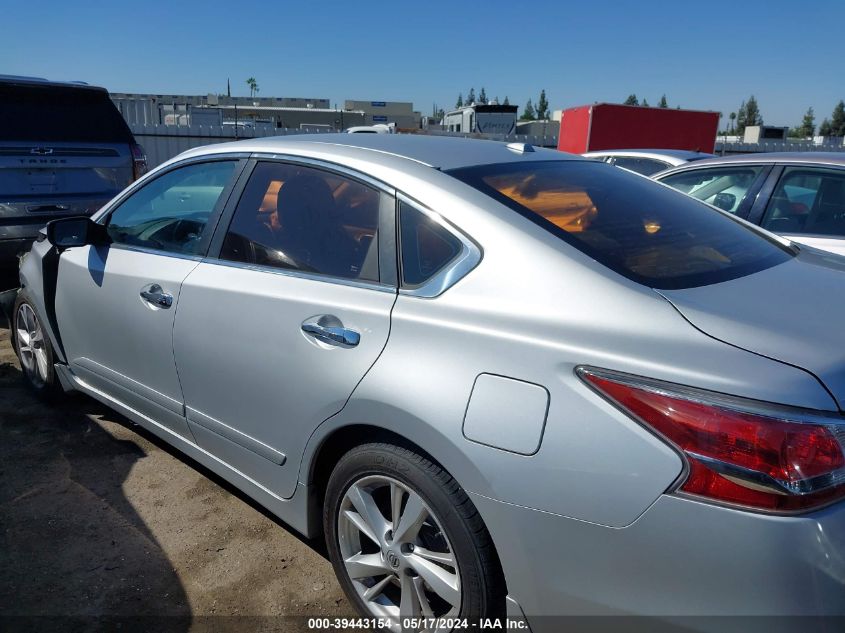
98	519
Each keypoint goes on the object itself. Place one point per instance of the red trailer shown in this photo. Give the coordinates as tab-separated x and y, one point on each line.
613	126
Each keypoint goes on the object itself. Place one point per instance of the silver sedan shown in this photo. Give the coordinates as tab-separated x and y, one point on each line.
499	381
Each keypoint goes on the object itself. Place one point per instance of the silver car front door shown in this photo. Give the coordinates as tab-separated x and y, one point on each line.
272	337
116	301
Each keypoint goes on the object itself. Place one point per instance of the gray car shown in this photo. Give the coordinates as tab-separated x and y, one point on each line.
497	380
65	150
800	195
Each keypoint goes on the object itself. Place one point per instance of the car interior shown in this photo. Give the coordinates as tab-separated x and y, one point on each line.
807	203
306	219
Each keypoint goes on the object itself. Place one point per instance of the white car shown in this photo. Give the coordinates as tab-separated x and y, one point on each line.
378	128
799	195
647	161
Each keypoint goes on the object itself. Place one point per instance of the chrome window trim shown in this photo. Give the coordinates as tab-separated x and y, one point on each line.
460	266
160	170
155	251
334	168
325	165
289	272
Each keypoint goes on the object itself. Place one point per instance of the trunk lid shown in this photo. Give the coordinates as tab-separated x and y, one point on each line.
790	313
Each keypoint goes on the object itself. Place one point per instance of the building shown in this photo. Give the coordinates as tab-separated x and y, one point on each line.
759	133
274	112
277	112
399	112
482	119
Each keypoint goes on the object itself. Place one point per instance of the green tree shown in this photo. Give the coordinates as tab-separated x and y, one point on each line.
471	96
482	96
826	129
752	112
528	114
645	103
732	117
663	103
253	86
808	124
631	100
837	119
506	101
741	119
460	102
542	107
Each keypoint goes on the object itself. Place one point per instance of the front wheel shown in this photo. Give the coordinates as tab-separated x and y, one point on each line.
34	351
406	541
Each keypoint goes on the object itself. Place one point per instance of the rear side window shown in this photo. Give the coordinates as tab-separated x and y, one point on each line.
648	233
808	201
59	114
427	246
724	187
306	219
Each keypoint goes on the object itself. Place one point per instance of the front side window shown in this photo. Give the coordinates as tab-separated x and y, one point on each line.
306	219
650	234
171	213
808	201
725	188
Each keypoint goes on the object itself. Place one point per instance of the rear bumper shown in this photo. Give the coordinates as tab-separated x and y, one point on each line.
680	558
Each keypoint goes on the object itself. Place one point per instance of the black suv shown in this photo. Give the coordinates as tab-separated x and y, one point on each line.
64	150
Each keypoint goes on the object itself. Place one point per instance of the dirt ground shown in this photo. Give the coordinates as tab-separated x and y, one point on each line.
100	519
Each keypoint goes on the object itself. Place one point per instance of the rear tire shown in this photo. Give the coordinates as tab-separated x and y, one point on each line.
34	350
405	540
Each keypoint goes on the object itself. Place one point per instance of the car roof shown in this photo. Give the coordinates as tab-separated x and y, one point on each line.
770	158
39	81
440	152
682	154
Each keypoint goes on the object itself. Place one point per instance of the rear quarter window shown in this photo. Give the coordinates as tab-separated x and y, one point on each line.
646	232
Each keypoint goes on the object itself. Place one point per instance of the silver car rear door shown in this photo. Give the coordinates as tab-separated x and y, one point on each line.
274	332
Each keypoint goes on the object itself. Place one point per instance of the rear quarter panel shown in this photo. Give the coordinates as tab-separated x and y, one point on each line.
534	309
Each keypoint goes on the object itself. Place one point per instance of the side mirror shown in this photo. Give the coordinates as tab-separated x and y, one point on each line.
724	201
69	232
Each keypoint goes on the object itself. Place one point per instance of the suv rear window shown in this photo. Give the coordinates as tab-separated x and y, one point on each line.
59	114
648	233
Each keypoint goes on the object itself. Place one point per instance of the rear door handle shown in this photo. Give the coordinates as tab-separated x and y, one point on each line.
156	296
329	329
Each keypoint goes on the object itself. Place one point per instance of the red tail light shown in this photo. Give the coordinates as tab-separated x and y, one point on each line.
739	451
139	161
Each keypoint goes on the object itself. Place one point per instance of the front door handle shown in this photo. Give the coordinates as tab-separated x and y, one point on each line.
157	297
329	329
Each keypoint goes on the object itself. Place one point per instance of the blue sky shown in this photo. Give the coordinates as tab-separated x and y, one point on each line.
709	54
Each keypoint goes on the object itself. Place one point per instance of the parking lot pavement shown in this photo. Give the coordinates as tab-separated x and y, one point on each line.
99	518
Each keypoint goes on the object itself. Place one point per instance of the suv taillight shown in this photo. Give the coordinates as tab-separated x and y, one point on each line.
765	457
139	161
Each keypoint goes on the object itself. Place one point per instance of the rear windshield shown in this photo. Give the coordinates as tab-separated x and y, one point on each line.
647	232
60	114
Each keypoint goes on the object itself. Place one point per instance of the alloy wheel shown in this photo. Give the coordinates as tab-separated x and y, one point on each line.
29	337
396	553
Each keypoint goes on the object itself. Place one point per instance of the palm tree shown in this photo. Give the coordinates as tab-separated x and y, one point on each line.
253	86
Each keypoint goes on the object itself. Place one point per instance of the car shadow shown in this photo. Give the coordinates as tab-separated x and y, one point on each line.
72	547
